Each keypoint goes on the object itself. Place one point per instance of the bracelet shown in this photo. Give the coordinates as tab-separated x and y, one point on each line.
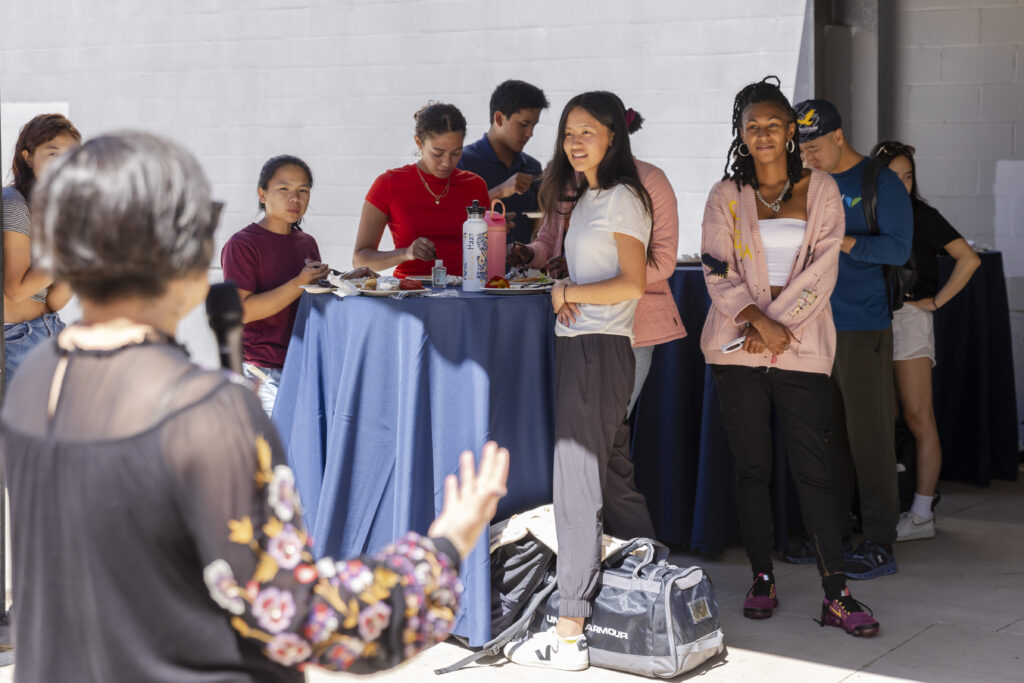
565	294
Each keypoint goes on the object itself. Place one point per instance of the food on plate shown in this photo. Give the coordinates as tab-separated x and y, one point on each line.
526	276
358	273
387	283
369	283
497	282
409	284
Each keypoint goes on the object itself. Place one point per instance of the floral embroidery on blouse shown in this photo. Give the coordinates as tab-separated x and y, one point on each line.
323	612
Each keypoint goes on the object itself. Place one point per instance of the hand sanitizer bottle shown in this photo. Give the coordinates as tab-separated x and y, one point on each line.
439	275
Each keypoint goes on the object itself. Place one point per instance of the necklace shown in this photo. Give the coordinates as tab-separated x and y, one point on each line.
447	186
777	204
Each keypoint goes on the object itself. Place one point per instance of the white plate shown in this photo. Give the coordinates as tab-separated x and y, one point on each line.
516	290
378	293
317	289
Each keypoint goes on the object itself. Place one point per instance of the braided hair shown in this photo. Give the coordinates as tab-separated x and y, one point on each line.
741	169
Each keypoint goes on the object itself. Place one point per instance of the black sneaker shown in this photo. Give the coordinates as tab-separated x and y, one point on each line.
805	553
870	560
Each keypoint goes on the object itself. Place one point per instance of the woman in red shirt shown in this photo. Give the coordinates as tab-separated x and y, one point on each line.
424	204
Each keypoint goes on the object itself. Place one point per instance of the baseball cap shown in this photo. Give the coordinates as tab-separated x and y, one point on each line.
814	118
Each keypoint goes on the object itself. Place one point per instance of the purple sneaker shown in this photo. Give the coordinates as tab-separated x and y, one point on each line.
761	598
849	615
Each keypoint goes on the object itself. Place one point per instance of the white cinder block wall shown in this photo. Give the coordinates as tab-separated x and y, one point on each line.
337	82
959	77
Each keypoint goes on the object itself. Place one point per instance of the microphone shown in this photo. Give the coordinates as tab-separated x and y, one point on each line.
224	311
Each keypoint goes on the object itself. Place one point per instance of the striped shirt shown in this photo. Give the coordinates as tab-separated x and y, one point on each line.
18	219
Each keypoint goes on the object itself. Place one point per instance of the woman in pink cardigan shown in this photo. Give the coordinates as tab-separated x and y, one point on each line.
772	233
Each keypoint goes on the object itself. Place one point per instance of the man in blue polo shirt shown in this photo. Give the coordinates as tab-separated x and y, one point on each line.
862	379
498	157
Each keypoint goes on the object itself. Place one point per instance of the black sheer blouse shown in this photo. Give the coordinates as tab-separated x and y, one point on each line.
157	533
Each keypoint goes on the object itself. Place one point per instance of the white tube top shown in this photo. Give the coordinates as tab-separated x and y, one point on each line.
781	239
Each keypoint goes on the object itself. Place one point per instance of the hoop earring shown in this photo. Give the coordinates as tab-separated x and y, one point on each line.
739	150
790	146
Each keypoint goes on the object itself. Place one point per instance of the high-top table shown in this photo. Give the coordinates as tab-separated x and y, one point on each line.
379	397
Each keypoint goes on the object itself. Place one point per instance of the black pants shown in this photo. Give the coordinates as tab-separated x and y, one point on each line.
593	479
864	425
800	399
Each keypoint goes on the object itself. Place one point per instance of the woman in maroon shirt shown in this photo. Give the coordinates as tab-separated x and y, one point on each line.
269	261
424	204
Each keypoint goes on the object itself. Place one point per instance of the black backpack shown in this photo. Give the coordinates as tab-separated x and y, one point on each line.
899	280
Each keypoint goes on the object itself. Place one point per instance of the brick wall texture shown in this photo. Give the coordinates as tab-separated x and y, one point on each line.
337	82
959	99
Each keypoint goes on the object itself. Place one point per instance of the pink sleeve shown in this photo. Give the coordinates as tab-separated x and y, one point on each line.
726	285
548	241
665	233
802	298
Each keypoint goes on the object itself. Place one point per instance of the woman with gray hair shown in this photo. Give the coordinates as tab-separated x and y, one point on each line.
156	530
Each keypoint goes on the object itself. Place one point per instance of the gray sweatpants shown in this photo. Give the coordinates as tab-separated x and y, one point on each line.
593	479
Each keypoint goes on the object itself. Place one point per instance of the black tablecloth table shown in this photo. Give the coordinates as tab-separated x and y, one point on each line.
975	401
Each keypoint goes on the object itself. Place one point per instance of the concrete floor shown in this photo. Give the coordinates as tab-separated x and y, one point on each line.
954	612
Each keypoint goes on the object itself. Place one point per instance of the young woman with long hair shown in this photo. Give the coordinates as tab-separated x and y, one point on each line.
771	239
592	179
270	260
31	298
913	334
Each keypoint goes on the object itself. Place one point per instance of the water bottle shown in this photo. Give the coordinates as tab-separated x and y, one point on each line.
474	249
497	231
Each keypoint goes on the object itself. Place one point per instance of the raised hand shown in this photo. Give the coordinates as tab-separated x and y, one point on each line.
471	499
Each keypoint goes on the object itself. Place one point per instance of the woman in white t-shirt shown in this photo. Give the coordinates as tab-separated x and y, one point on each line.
606	240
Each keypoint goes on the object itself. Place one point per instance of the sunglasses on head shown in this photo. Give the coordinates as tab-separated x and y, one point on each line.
895	149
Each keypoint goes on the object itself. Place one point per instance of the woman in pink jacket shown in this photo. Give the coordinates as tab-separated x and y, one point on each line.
771	239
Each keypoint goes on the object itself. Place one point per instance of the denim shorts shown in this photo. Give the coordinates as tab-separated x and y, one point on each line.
269	380
20	338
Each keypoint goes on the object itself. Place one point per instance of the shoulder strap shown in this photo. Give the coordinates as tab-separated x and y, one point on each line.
869	194
495	646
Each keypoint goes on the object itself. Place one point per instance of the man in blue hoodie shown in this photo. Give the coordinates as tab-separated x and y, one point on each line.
862	380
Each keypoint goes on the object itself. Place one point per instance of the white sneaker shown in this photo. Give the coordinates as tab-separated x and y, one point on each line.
549	650
910	527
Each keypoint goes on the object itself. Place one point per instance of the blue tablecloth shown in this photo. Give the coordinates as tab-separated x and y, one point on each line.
380	396
682	458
